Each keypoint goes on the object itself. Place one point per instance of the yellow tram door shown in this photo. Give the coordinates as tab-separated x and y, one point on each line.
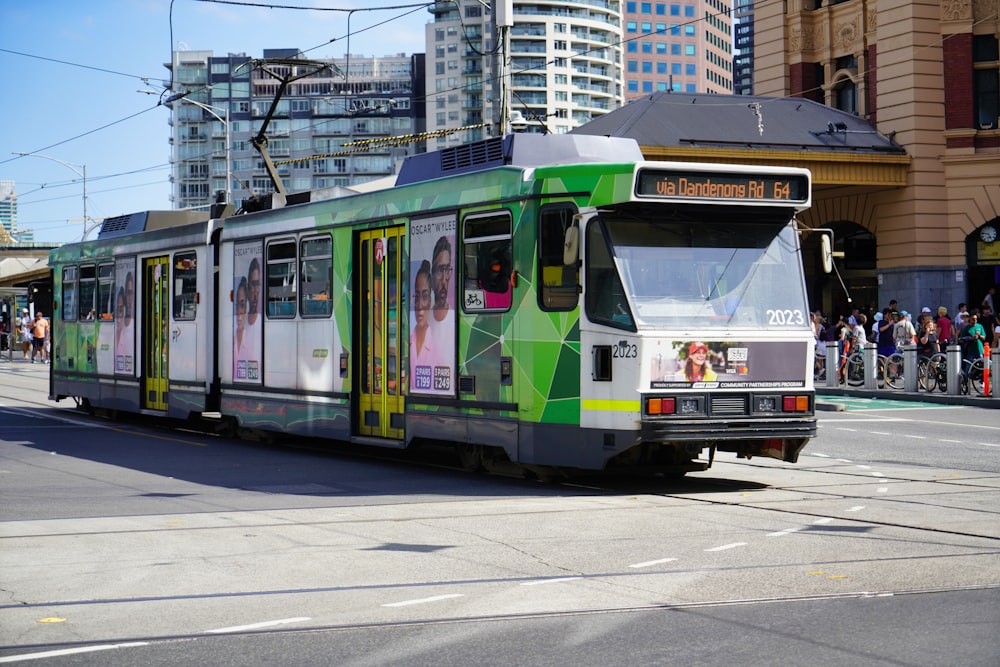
155	332
381	282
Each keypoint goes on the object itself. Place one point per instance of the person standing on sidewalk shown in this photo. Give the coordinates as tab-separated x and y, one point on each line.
24	323
40	334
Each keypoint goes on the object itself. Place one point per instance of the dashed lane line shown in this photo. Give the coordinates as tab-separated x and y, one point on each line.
258	626
407	603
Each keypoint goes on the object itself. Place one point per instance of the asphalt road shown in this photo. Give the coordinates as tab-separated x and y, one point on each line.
121	544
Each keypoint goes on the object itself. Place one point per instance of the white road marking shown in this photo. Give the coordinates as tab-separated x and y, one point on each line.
728	546
864	467
856	508
822	521
879	433
549	581
407	603
874	419
69	651
653	562
956	442
257	626
845	460
916	437
786	531
822	456
852	430
877	418
882	489
988	444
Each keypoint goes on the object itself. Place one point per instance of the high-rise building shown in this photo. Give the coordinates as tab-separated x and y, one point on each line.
681	46
565	66
743	59
8	209
343	117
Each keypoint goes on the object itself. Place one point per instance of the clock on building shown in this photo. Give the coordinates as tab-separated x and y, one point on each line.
988	234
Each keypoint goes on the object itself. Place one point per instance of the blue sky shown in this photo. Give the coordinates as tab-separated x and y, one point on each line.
84	109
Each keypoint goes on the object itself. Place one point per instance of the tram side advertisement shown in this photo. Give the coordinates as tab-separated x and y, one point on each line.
125	316
432	317
676	364
247	320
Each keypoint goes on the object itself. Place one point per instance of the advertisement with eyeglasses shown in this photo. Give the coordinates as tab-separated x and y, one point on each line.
247	320
125	316
432	314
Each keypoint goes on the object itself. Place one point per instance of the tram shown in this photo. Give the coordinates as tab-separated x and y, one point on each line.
555	302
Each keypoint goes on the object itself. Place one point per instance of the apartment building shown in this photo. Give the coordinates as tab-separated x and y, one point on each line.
333	125
565	67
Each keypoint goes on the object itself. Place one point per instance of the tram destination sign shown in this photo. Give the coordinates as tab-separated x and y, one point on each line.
722	186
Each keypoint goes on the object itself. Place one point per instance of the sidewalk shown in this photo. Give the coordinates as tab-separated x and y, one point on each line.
898	395
21	363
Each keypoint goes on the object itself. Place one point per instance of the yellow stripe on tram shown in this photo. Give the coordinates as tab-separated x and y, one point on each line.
597	405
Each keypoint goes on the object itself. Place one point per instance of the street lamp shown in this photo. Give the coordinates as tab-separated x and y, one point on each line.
225	122
82	174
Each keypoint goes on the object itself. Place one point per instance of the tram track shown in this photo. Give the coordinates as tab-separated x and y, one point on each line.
135	641
437	458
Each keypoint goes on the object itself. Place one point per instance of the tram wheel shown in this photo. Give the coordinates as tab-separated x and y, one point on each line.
470	457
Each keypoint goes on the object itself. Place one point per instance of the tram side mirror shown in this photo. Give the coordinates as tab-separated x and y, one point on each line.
826	253
571	246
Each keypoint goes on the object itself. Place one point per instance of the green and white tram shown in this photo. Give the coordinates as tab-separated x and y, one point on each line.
552	301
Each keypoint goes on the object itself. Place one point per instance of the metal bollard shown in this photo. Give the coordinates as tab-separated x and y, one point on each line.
954	370
832	364
910	368
870	353
994	369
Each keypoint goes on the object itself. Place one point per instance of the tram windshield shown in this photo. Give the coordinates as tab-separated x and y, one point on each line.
695	275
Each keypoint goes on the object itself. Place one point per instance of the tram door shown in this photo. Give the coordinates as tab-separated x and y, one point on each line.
381	376
155	325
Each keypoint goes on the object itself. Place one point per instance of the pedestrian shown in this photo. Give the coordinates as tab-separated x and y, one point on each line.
943	327
903	332
886	344
40	336
971	338
25	325
988	299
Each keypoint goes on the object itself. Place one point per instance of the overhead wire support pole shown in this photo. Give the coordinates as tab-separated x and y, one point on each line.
82	174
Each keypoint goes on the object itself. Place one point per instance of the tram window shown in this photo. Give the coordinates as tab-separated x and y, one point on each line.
185	285
88	287
281	279
317	276
69	285
487	263
605	297
106	291
560	281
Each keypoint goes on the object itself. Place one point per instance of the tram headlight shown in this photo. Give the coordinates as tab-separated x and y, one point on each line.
690	406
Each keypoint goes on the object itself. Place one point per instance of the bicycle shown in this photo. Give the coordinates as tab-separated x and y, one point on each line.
972	377
855	372
973	374
894	370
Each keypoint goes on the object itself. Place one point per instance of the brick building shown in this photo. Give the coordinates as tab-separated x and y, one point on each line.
924	72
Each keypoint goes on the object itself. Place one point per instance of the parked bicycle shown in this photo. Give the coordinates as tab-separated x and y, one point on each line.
855	373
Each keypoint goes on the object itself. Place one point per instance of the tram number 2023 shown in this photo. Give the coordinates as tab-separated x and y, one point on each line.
780	318
624	350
